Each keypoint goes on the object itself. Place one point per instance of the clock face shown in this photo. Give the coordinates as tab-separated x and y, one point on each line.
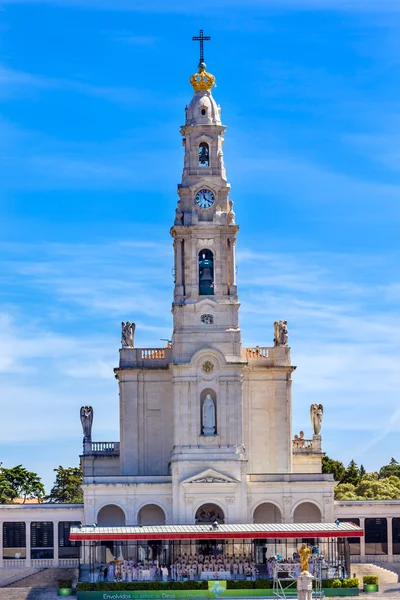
205	198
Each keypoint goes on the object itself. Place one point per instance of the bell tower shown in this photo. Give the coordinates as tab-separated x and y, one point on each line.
204	232
207	364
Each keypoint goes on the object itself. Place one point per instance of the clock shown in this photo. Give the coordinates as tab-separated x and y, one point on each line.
205	198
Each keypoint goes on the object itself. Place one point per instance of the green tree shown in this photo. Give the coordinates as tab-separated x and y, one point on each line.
351	474
393	468
22	483
362	471
379	489
333	466
6	491
345	491
67	486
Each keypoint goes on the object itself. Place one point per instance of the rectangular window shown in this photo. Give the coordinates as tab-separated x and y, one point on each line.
42	539
354	542
14	540
396	535
67	549
376	536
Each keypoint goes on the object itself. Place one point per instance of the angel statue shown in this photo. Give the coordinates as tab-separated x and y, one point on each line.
316	414
304	556
280	333
128	331
87	421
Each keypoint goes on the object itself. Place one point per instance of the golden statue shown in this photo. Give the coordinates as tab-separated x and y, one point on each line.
304	556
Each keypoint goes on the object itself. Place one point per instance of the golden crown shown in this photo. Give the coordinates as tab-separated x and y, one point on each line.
202	80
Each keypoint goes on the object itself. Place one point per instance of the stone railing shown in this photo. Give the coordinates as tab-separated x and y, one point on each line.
152	353
43	563
14	563
257	352
145	358
104	448
68	562
302	445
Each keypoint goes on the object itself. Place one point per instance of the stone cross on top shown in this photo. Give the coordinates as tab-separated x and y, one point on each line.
201	38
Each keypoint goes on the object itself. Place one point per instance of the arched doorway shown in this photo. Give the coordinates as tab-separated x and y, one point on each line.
151	514
307	512
110	515
267	513
208	513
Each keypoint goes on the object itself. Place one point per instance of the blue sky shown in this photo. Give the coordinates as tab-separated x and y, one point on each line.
92	94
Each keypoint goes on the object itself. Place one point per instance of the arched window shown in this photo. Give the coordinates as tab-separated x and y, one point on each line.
204	155
206	273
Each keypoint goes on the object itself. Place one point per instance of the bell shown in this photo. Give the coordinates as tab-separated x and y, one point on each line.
206	274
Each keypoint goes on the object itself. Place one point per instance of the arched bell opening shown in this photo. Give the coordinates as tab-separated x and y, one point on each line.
204	154
206	273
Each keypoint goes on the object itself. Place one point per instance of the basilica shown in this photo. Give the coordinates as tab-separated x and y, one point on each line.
206	449
205	423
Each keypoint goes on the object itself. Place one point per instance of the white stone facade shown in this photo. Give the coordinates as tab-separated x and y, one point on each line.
166	457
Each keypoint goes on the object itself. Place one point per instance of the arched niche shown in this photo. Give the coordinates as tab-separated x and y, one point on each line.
206	273
110	515
203	396
151	514
204	154
209	513
307	512
267	513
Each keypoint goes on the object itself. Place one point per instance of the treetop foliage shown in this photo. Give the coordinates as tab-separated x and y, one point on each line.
356	484
18	482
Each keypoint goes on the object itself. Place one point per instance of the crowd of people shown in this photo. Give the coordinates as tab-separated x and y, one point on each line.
185	567
194	567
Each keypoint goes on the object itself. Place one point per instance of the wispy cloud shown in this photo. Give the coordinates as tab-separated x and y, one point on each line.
179	6
14	82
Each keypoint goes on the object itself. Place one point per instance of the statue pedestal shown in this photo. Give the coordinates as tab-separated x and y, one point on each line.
304	586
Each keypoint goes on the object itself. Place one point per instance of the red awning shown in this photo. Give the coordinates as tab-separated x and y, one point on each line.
208	532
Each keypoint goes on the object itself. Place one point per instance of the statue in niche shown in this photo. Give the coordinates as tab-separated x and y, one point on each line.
316	415
208	416
87	421
128	331
281	336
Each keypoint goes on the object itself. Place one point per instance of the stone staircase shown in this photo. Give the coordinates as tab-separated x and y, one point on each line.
9	575
386	575
45	578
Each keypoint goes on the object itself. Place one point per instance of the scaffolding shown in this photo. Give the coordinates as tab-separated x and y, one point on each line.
285	578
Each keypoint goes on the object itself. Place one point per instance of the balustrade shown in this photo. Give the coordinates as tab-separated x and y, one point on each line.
302	444
152	353
14	563
257	352
68	562
43	563
105	447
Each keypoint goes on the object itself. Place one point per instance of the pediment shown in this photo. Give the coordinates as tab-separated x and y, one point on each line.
209	476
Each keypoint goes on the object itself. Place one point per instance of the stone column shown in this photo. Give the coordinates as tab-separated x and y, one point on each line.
362	540
390	538
55	543
304	586
28	562
233	286
178	268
